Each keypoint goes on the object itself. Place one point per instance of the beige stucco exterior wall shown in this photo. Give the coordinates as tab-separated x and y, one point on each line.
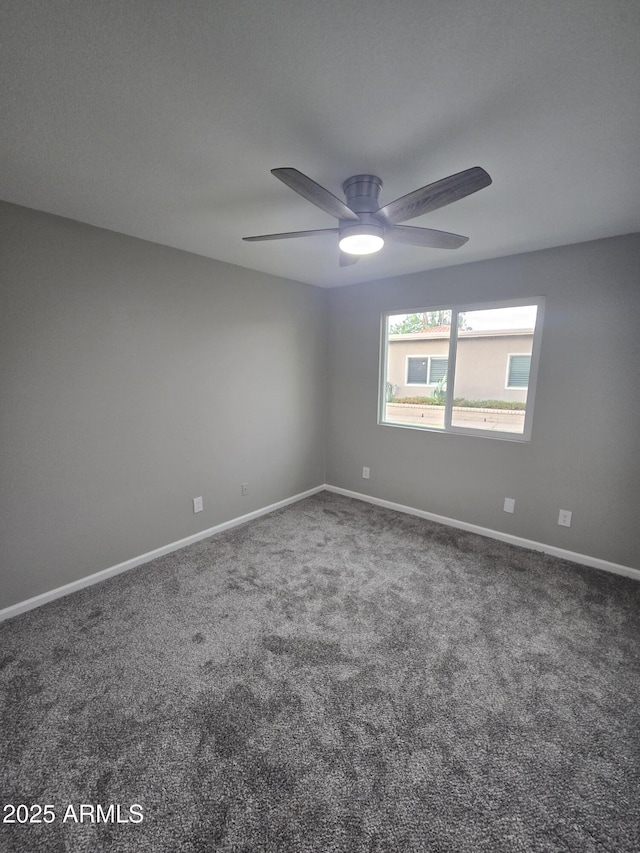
397	354
481	356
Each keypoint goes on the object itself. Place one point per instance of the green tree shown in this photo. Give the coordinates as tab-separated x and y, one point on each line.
423	321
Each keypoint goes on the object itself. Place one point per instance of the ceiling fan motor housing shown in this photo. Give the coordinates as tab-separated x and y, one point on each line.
361	192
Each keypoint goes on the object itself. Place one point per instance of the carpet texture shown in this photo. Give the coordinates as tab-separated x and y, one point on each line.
332	677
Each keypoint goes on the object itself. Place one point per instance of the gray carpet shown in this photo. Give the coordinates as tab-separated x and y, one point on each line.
331	677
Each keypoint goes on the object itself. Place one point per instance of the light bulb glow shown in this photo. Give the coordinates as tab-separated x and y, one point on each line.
361	244
361	239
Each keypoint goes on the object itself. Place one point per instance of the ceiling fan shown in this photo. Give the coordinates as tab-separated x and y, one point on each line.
364	226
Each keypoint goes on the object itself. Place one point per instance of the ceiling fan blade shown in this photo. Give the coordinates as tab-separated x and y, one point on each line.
316	232
314	193
425	237
346	260
435	195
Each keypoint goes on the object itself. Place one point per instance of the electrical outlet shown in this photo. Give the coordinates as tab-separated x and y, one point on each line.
564	518
365	473
245	488
198	505
509	505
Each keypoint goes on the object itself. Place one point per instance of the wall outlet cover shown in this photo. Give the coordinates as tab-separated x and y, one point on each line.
198	505
564	518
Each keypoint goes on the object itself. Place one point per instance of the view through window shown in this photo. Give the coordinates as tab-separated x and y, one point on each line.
462	369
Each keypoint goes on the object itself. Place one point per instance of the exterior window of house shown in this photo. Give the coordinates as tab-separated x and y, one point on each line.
437	369
417	371
518	371
426	370
443	368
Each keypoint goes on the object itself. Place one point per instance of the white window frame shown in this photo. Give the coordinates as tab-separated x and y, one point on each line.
456	310
506	379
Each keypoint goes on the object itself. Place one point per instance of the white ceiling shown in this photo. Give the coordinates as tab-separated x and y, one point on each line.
162	119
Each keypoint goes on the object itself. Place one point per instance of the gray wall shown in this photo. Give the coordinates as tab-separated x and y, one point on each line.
134	377
585	449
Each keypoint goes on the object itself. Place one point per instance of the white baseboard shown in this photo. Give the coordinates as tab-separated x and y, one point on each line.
67	589
74	586
572	556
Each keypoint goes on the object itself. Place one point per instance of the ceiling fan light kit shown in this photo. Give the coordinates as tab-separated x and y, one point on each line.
364	239
363	225
367	236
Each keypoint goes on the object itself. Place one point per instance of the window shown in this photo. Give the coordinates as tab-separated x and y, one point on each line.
518	371
426	370
417	371
437	369
463	369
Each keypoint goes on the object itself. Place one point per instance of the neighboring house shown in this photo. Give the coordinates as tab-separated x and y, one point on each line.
491	365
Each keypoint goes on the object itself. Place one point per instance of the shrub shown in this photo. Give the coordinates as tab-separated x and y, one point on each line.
418	401
510	405
507	405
